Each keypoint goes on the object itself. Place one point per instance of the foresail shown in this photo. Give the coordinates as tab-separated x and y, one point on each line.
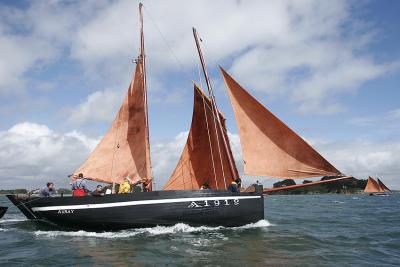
372	186
270	148
200	161
124	149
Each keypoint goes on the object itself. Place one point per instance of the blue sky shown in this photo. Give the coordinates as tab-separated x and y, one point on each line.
329	69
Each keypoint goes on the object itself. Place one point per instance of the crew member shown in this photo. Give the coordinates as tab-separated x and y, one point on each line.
98	192
48	191
79	187
125	187
205	186
233	187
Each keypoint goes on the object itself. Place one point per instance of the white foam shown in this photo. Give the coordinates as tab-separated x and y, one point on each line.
259	224
152	231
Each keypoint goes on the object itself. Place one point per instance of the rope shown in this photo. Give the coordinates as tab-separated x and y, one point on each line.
164	39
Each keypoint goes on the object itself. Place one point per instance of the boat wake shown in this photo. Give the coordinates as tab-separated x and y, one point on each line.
153	231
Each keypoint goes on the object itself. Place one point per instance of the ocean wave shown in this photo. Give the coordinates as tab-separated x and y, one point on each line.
339	202
152	231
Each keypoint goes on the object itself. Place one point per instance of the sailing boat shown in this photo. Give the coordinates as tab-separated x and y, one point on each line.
375	188
270	148
125	151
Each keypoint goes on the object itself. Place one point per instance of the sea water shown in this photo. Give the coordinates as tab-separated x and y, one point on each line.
314	230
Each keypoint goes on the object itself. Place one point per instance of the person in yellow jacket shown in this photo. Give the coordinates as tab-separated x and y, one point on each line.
125	187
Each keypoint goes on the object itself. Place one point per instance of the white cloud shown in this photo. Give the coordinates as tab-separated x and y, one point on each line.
386	122
98	106
362	158
165	156
17	55
31	154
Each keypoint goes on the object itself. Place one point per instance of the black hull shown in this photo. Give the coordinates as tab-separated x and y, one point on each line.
146	209
3	211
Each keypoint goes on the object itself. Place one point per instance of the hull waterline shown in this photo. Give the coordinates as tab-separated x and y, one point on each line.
146	209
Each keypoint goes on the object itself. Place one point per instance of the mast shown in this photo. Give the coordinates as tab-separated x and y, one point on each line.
214	106
142	60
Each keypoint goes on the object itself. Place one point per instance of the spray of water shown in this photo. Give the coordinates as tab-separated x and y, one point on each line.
153	231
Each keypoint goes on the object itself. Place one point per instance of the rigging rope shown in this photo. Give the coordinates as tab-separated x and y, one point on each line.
164	39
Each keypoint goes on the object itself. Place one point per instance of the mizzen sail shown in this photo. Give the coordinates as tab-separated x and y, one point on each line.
372	186
202	160
271	148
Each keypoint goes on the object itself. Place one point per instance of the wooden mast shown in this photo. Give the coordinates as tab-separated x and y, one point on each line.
214	106
142	60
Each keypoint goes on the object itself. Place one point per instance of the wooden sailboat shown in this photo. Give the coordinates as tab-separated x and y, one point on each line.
125	151
374	188
270	148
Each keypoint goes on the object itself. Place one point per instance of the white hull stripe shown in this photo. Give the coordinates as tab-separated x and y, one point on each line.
138	202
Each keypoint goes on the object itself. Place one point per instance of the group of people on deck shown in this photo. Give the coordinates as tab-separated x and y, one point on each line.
234	187
79	187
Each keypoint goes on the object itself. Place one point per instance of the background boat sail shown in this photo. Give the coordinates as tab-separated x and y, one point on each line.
375	188
124	151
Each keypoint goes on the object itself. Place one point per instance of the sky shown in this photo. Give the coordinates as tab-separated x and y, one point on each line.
328	69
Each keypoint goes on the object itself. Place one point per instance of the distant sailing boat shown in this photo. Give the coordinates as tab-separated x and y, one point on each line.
376	188
270	148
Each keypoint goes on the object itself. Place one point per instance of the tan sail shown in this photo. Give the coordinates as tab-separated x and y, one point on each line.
124	149
200	162
270	148
383	186
372	186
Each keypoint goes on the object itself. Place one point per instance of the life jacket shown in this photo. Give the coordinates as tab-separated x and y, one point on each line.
79	192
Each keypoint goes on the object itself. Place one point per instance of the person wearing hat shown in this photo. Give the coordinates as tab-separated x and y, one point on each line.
125	187
233	187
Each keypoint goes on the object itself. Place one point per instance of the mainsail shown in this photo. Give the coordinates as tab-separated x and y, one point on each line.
383	186
125	148
270	148
201	160
372	186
